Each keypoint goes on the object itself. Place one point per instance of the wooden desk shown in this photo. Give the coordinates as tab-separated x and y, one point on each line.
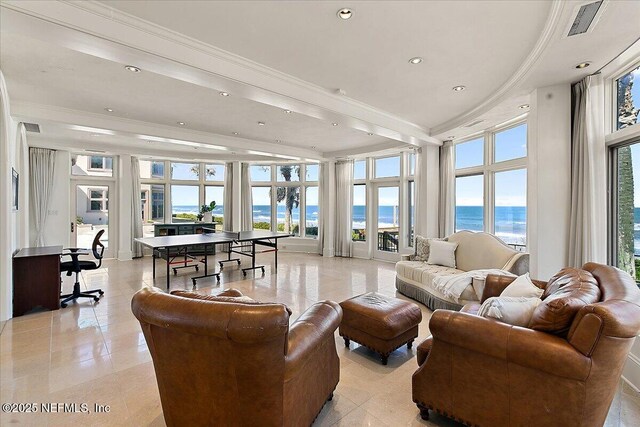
36	279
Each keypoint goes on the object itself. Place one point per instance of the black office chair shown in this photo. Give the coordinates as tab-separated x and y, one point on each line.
76	266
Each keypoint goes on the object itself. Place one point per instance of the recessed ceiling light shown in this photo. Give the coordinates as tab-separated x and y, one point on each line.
96	134
334	124
345	13
459	88
132	68
110	110
181	123
370	134
451	137
313	147
278	141
287	111
235	133
415	60
523	106
583	65
224	93
261	123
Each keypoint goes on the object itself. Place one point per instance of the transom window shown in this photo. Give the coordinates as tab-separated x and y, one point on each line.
627	99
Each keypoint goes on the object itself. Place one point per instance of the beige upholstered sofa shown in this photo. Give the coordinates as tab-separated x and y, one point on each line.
476	251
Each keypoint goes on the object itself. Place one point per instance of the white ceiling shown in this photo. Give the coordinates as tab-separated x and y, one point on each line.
65	66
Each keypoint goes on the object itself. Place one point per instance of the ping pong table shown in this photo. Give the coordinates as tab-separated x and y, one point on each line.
173	247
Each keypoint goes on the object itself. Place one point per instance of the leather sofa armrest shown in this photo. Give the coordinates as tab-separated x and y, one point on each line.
494	285
521	346
317	324
423	350
230	293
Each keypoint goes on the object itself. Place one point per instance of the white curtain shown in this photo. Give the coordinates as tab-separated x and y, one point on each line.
344	198
228	197
321	206
136	208
246	201
447	190
41	170
587	235
418	182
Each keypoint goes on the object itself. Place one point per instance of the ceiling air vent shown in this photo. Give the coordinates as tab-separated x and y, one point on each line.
32	127
584	18
472	124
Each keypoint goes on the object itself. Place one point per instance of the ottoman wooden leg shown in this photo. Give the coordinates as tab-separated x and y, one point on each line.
346	341
385	358
410	344
330	397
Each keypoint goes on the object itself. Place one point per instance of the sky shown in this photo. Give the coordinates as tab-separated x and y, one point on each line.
510	186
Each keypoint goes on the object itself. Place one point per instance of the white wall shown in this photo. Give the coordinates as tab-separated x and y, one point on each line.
13	225
549	179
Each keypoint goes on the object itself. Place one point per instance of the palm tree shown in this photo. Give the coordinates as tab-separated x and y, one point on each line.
290	195
627	116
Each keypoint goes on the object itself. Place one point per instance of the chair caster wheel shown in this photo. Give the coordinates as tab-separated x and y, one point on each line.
96	299
101	293
197	268
63	305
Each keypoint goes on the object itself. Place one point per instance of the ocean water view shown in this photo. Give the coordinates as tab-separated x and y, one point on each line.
510	221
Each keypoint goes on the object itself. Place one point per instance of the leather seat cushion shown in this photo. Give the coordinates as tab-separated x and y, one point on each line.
380	316
567	292
220	298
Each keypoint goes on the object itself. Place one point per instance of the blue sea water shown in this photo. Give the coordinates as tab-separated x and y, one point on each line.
510	221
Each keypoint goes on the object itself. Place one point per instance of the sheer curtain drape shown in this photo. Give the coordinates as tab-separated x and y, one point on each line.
587	234
228	197
417	198
42	164
136	208
321	207
246	199
344	198
447	190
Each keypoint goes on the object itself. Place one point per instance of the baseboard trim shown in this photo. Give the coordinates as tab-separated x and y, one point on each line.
125	255
631	372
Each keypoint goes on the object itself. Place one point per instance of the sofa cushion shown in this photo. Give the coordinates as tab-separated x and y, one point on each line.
567	292
522	287
422	247
419	272
442	253
515	311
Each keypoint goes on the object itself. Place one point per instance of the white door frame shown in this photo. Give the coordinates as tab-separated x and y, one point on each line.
109	251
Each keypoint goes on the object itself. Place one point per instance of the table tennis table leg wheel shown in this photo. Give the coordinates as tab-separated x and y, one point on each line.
244	273
197	268
262	270
194	283
221	264
238	261
175	272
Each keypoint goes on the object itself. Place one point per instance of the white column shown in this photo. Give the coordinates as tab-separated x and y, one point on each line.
236	185
124	197
549	179
426	217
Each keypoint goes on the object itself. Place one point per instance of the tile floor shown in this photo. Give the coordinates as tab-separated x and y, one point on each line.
96	354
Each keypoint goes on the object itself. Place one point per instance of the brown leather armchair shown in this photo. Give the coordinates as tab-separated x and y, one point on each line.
226	362
486	373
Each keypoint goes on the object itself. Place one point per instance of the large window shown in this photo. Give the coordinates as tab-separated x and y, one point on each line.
190	185
287	200
491	184
626	203
627	99
82	165
359	213
98	200
470	203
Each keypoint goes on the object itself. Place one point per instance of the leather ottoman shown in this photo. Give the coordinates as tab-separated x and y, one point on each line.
380	323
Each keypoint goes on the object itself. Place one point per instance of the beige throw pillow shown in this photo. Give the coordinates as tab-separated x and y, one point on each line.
442	253
522	287
422	247
516	311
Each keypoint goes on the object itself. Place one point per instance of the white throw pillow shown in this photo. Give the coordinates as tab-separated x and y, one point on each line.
522	287
422	247
442	253
515	311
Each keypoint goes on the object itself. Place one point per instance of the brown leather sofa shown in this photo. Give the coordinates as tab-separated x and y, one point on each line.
486	373
220	361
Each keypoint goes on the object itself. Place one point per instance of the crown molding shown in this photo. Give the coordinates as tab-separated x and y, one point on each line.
140	131
96	29
551	25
